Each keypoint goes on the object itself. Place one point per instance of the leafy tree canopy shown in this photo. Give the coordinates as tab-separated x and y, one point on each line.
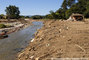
71	6
12	12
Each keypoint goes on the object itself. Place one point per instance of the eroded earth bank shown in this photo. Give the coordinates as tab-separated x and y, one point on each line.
59	39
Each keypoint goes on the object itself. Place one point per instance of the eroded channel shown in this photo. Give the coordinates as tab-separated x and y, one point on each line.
17	41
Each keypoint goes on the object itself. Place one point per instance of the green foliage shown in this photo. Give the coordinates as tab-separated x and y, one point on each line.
67	8
37	17
2	16
2	26
86	13
71	6
63	12
24	16
53	15
12	12
75	9
68	13
64	5
27	17
70	2
59	14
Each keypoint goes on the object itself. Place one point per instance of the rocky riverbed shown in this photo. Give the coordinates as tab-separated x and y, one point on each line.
58	39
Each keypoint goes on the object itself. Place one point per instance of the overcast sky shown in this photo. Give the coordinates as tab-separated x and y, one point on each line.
32	7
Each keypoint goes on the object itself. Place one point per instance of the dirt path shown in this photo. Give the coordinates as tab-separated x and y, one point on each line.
59	39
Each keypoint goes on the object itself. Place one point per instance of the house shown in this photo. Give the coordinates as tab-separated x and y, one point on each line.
76	17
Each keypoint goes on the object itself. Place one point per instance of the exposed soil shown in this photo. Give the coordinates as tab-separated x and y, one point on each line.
59	39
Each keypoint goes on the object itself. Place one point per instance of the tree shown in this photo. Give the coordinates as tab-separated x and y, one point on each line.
53	15
12	12
86	13
71	2
64	5
71	6
68	3
61	13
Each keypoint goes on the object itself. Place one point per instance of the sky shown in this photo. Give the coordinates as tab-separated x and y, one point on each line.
31	7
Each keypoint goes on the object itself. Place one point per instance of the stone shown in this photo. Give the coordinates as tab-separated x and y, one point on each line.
63	36
32	40
60	30
67	28
47	45
21	54
31	57
37	58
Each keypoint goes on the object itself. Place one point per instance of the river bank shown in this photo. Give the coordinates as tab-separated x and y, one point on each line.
58	39
14	25
17	41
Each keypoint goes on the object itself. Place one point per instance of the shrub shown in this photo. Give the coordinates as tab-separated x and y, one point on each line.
2	26
37	17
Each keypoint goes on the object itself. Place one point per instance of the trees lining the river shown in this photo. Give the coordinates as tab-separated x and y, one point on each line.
71	6
67	8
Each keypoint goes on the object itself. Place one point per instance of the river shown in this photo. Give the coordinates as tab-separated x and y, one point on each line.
17	41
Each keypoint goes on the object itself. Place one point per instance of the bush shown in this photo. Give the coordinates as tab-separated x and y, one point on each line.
86	14
37	17
2	26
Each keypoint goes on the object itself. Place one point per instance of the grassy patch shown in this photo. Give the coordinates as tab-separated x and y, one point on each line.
2	26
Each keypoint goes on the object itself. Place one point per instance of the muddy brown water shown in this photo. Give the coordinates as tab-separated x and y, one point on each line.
17	41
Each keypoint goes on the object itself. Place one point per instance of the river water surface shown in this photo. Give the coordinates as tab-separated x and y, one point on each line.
17	41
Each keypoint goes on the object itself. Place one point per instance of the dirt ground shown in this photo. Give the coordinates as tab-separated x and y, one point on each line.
59	39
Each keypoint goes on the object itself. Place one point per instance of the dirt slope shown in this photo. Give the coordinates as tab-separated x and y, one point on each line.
59	39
